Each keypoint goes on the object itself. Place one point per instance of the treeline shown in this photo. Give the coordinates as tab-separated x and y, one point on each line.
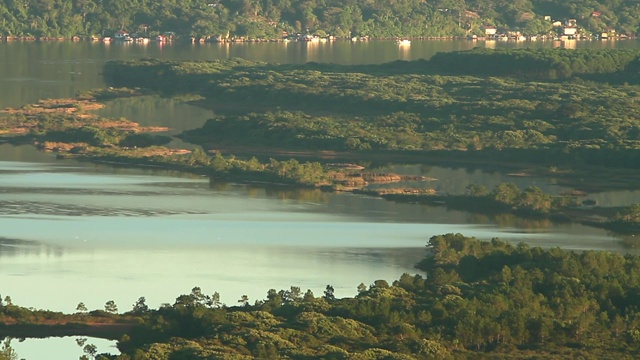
412	107
627	220
253	19
612	66
269	18
504	198
539	64
66	126
479	299
488	299
290	172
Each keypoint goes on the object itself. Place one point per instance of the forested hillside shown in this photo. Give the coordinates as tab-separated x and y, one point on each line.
268	18
479	300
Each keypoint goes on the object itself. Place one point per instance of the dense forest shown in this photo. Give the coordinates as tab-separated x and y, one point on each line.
525	114
479	299
269	18
620	65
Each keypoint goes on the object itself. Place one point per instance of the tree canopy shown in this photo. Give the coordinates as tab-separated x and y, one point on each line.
521	105
479	299
269	18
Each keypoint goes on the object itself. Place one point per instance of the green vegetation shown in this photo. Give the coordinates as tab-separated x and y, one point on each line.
68	127
540	64
7	352
408	107
626	220
479	300
397	109
504	198
290	172
71	121
269	18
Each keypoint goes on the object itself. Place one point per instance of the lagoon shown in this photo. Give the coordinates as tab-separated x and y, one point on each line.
88	233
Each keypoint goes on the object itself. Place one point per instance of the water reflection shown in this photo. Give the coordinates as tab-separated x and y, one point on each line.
404	53
17	247
156	111
11	208
300	196
447	180
142	233
515	222
59	348
31	71
629	241
455	180
126	231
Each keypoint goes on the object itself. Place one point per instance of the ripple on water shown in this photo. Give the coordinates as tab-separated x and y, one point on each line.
49	208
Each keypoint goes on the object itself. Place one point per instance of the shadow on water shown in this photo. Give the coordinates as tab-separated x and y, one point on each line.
628	241
14	247
12	208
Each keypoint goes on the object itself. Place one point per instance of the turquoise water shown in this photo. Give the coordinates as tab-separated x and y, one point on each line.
87	233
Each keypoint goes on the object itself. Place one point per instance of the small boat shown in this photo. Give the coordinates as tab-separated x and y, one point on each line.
403	42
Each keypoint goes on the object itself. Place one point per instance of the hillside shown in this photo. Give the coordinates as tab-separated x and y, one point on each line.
270	18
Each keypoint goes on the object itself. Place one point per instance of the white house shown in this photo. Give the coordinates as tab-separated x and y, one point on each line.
490	30
570	30
122	35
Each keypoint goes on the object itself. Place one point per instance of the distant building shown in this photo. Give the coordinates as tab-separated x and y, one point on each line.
490	30
570	30
547	18
556	23
122	35
514	33
608	33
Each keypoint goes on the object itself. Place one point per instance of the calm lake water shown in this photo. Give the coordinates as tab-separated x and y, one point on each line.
75	232
94	233
67	347
32	71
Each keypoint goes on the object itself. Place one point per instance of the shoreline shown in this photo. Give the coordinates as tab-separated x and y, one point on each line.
109	331
324	177
593	216
210	40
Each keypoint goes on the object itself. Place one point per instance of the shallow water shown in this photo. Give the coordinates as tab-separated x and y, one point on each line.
61	348
89	233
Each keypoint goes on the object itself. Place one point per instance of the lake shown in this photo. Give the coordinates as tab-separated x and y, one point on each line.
75	232
30	71
94	233
66	347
